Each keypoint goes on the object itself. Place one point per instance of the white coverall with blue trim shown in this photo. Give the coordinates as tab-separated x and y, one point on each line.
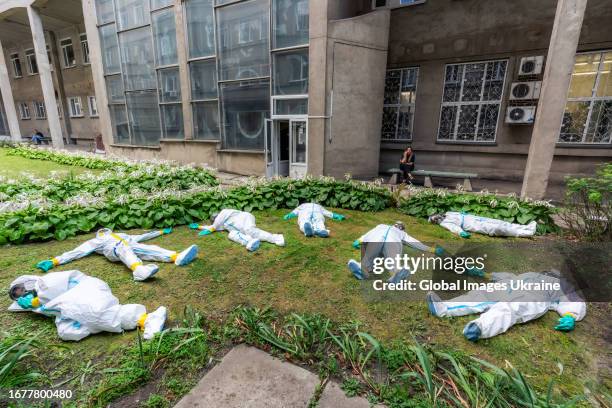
314	214
500	311
457	222
81	304
118	247
388	241
242	229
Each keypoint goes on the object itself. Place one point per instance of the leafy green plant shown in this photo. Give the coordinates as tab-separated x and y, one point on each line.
426	202
15	350
587	212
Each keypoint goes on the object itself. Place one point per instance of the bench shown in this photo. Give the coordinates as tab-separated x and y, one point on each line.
395	174
45	140
428	174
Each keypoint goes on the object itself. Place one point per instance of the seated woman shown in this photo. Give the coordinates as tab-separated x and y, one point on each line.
407	164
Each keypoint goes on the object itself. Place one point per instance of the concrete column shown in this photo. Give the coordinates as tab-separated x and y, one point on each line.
555	85
97	71
46	79
59	80
182	47
7	98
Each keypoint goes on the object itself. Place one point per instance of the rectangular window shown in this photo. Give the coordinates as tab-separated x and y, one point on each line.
164	35
243	47
471	101
75	107
291	72
85	49
16	62
137	59
170	103
290	23
68	53
110	49
114	89
172	120
200	28
93	106
245	105
104	11
50	58
132	13
156	4
143	117
291	106
24	111
203	80
588	112
31	60
206	120
399	103
39	110
169	85
121	132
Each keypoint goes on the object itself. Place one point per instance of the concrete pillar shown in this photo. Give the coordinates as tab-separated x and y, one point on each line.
97	71
553	97
46	79
59	81
181	43
7	98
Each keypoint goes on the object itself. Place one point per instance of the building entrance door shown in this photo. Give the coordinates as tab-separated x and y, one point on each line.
277	148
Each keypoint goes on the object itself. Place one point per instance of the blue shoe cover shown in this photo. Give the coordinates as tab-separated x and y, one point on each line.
322	233
253	245
432	298
400	276
355	269
472	331
308	231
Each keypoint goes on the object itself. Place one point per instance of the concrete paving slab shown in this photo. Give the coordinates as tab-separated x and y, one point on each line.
250	378
334	397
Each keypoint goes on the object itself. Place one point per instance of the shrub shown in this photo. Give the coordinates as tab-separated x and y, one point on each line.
587	213
426	202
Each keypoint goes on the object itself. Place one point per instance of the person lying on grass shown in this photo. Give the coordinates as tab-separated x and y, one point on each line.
81	305
241	227
463	224
127	249
311	219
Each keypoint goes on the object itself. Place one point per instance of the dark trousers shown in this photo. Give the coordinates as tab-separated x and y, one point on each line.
406	169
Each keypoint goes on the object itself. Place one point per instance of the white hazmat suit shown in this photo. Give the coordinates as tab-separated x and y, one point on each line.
387	241
311	219
129	249
503	309
84	305
462	224
242	229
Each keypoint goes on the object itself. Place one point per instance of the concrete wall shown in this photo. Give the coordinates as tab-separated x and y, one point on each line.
449	31
77	81
356	54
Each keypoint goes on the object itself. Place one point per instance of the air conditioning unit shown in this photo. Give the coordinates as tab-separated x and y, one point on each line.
520	115
521	91
531	65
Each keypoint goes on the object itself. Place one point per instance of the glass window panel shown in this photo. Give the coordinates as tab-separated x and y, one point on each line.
172	121
114	89
68	53
110	49
164	34
404	124
245	105
472	84
291	73
448	118
206	120
132	13
574	121
494	81
291	106
389	123
487	122
299	135
600	125
137	59
584	75
119	120
104	11
169	85
203	79
452	83
290	23
143	114
392	86
200	28
155	4
243	46
466	128
604	87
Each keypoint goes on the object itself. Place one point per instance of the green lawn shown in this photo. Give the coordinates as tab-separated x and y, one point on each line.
306	276
14	166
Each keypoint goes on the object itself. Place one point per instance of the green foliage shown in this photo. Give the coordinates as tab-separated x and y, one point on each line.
62	221
156	401
15	351
428	202
588	213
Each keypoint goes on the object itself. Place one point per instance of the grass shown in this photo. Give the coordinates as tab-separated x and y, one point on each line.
14	166
307	276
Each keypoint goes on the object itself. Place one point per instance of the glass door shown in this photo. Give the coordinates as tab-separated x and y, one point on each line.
299	148
270	162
